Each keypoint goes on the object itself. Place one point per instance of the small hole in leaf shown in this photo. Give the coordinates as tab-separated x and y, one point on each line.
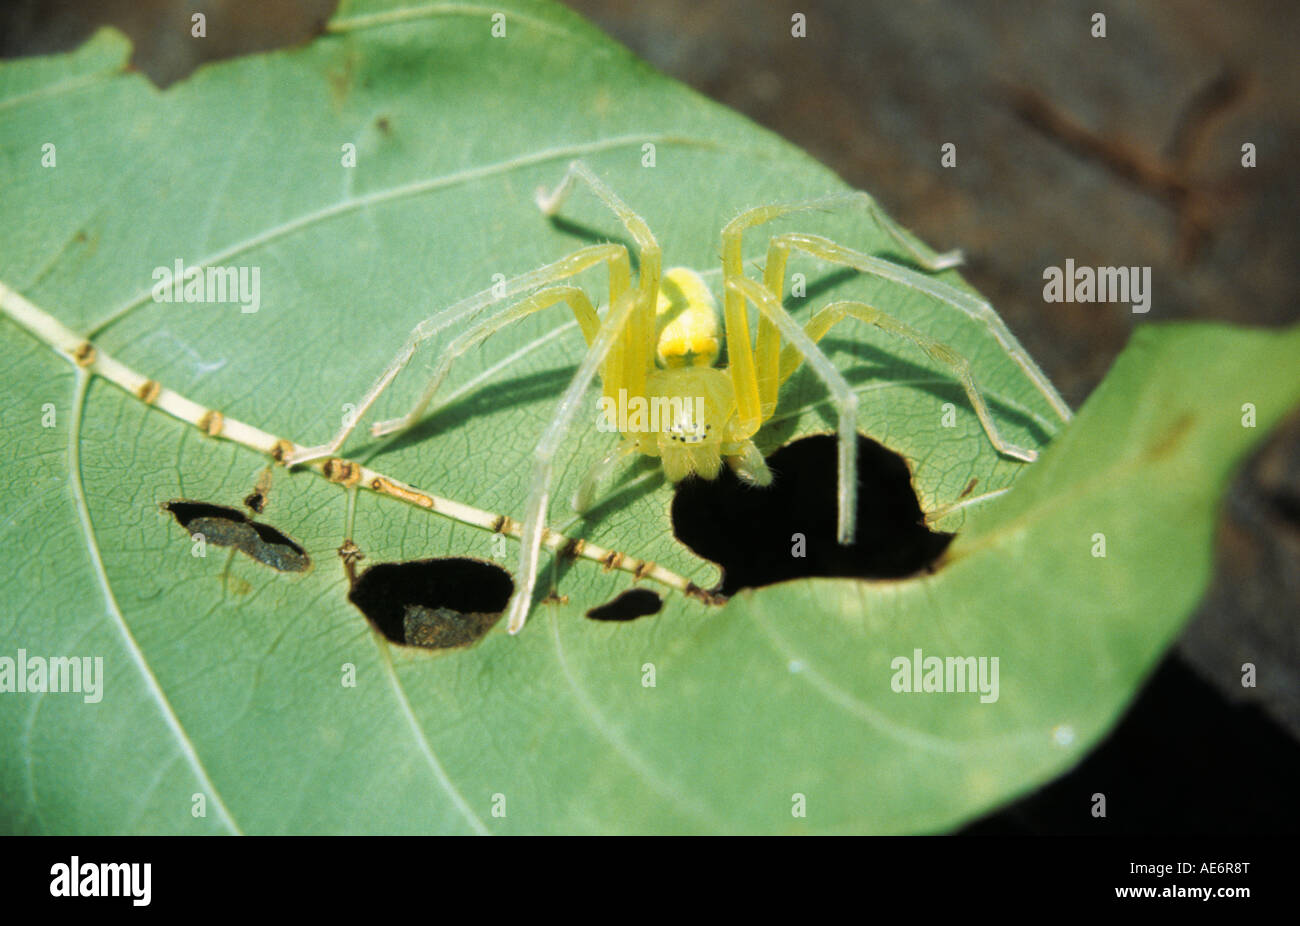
757	534
434	603
633	603
230	527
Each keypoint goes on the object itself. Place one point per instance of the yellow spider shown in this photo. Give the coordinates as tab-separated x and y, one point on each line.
657	344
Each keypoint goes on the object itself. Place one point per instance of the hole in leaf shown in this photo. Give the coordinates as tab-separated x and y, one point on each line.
755	534
434	603
230	527
633	603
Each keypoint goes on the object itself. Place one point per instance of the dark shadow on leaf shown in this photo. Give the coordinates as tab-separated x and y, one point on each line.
885	367
627	486
596	236
488	398
631	604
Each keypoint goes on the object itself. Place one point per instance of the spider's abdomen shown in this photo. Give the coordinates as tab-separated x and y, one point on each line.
686	321
695	407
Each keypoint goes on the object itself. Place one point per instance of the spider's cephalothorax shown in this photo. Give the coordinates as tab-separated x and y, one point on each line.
658	341
695	428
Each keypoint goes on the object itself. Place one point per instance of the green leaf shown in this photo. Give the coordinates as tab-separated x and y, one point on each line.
1144	464
223	676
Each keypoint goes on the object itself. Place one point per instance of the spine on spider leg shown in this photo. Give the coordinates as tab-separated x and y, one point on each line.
89	358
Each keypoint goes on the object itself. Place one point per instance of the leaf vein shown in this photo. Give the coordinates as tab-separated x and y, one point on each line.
133	648
439	772
415	188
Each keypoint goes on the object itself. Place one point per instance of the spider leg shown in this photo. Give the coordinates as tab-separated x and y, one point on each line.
465	311
747	462
769	307
755	408
778	252
577	300
539	492
924	257
636	345
832	314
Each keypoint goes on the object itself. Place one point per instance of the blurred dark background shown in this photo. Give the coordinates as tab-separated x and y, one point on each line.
1123	150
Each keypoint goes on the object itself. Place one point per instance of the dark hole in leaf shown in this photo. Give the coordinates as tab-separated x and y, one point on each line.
436	603
633	603
230	527
750	532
